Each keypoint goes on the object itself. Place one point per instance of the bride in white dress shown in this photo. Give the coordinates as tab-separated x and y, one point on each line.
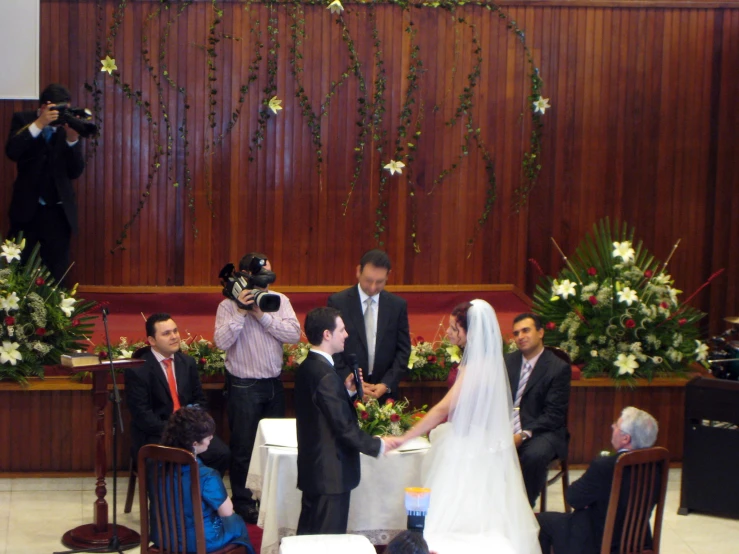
477	492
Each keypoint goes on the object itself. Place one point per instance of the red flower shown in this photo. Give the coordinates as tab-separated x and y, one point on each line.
103	355
75	322
648	273
682	321
40	331
389	402
592	271
394	417
630	323
664	305
593	300
203	361
419	339
40	281
10	320
551	326
365	415
356	402
432	359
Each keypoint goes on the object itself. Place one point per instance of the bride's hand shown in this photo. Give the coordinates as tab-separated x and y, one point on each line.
391	443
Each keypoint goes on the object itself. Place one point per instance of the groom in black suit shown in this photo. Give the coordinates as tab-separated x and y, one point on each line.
377	323
540	385
581	532
49	157
149	389
329	439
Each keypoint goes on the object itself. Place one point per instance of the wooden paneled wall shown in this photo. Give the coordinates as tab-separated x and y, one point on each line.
643	128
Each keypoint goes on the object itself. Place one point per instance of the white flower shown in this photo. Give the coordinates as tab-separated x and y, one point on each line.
67	305
673	294
9	353
565	289
623	250
627	296
657	360
335	7
274	104
455	354
701	351
10	251
626	363
594	353
10	302
541	105
394	166
125	353
108	65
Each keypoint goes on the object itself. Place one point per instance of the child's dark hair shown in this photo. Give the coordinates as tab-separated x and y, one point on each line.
408	542
187	426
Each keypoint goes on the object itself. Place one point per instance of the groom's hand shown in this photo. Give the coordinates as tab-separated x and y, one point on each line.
391	443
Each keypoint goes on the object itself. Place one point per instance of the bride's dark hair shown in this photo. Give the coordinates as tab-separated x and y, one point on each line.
460	314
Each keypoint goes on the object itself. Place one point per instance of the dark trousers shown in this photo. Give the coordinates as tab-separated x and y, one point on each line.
324	514
49	227
554	532
535	454
249	401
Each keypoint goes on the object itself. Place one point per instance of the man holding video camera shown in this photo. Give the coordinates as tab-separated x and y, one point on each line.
49	156
251	328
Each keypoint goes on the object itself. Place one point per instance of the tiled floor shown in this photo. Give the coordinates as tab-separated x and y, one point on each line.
35	513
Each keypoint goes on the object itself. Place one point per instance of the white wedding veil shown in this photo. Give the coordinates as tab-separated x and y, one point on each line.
473	469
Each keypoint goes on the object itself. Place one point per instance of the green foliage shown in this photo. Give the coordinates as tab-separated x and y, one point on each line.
615	310
40	320
390	418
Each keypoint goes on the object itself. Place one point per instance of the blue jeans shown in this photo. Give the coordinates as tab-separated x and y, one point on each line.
249	401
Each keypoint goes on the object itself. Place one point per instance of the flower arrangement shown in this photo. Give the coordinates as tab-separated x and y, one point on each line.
390	418
615	310
119	351
211	359
40	320
432	361
293	355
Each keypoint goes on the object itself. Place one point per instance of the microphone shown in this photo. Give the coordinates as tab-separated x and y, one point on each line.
105	311
352	358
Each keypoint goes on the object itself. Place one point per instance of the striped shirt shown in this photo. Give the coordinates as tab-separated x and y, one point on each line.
254	347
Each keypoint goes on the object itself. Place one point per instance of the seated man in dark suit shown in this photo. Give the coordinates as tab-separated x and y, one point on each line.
377	323
540	385
581	532
166	382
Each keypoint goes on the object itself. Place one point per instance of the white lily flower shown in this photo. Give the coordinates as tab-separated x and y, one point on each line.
673	294
623	250
701	351
274	104
541	105
335	7
67	305
9	353
455	354
594	353
626	363
125	353
10	251
10	302
657	360
565	289
394	166
627	296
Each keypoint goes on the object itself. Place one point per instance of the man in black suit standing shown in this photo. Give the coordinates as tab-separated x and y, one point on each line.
166	382
329	439
540	385
377	323
581	532
49	157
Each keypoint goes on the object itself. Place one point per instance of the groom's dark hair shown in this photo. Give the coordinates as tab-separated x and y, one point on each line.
319	320
407	542
537	320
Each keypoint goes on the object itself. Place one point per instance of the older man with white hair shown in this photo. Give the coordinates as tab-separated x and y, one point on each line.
581	532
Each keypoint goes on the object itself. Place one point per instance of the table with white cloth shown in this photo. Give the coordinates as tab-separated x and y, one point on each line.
377	508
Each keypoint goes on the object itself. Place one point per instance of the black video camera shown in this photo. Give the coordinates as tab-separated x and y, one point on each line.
79	119
257	277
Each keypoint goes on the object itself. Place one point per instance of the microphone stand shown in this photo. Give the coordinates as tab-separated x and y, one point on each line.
114	545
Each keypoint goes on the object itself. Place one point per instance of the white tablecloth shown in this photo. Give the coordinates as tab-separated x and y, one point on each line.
377	508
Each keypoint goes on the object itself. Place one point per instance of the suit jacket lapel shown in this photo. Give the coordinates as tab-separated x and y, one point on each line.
355	313
156	368
538	373
180	372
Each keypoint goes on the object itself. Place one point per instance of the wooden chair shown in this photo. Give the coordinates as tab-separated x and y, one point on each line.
561	466
648	473
166	474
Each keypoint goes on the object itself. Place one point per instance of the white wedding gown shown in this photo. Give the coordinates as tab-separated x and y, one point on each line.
478	501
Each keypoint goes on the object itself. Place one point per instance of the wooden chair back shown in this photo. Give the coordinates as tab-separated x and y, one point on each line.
647	484
164	466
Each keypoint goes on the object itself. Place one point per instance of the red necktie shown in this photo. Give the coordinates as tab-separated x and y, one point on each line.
172	383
